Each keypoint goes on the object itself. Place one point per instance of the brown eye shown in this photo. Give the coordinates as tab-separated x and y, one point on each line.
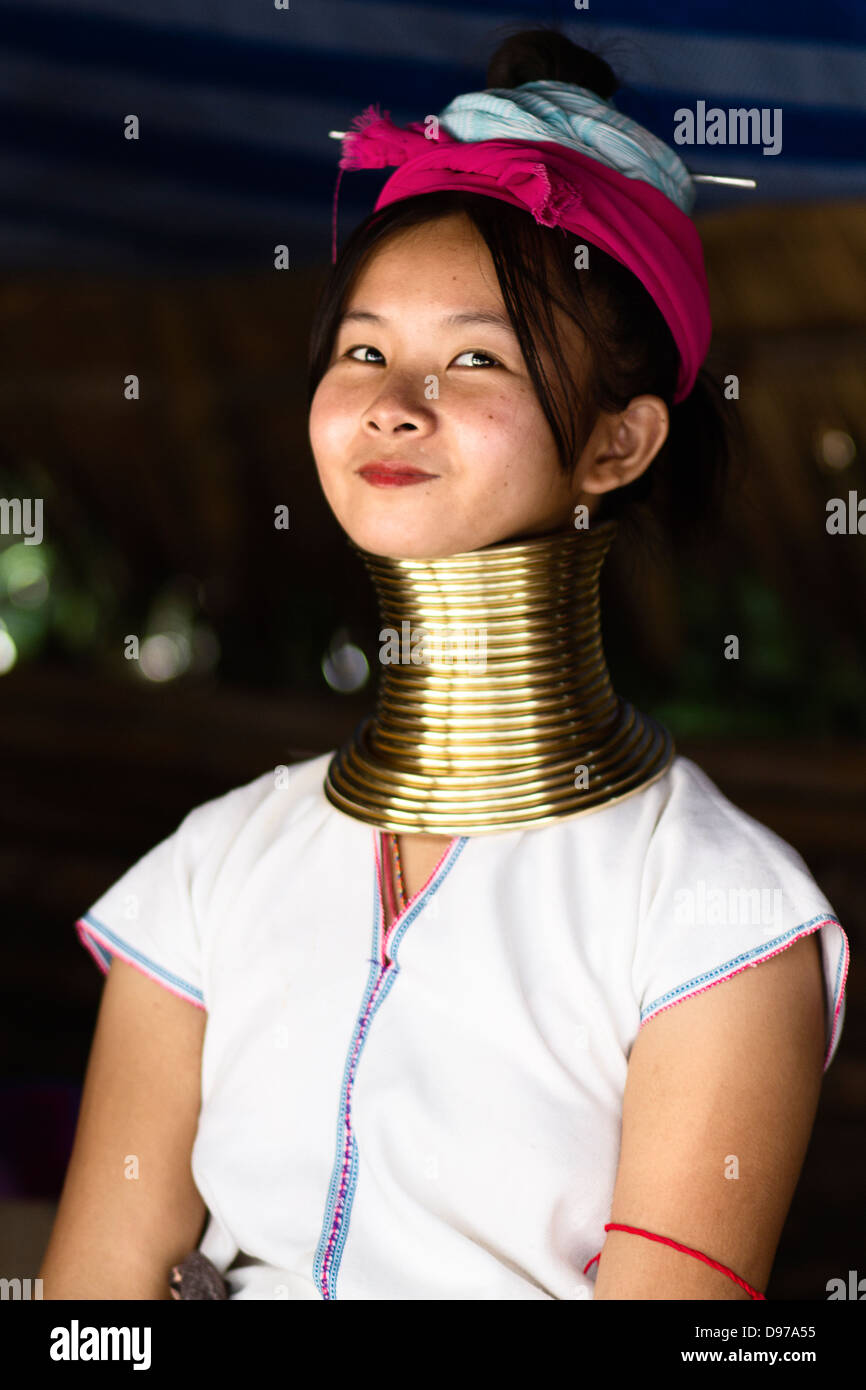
476	352
362	347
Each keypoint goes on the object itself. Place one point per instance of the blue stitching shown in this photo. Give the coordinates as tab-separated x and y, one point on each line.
372	979
337	1167
761	950
158	970
428	894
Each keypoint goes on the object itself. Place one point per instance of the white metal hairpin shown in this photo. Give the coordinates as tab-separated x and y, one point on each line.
696	178
723	178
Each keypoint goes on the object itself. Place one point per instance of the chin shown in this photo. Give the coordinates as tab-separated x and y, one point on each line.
402	537
404	546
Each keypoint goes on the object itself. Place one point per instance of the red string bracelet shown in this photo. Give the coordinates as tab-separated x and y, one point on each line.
685	1250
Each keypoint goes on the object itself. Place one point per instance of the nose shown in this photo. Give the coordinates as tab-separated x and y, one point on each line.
398	409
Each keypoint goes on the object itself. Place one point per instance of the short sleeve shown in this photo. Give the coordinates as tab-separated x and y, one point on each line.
720	893
153	916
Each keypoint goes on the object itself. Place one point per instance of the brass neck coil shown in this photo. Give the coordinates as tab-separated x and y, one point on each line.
509	719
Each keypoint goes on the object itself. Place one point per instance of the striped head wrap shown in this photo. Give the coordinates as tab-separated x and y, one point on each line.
577	118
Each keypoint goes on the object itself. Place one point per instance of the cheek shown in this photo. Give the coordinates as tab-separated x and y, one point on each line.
325	440
514	414
498	422
519	458
320	418
330	415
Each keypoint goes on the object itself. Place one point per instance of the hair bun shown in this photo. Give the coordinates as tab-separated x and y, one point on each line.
536	55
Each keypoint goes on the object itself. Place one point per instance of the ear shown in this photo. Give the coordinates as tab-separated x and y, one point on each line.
623	446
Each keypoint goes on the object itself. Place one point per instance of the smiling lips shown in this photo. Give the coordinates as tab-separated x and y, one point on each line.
385	473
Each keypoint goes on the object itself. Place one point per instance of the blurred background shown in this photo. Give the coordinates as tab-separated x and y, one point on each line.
155	257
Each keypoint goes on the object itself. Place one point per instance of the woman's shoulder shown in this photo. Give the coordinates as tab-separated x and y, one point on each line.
155	915
678	828
721	892
683	805
283	794
692	805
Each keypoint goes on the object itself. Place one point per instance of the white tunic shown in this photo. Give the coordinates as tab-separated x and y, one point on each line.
438	1115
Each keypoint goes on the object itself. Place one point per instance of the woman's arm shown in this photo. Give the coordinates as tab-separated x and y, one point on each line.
129	1207
729	1077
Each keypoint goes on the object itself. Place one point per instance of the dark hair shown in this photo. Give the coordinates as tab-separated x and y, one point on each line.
631	349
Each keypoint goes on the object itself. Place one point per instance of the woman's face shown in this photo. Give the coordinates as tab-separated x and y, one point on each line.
410	385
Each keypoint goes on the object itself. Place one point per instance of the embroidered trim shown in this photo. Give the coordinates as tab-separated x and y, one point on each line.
383	972
754	957
103	943
383	933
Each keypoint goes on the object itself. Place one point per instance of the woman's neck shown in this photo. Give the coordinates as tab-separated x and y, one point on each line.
495	707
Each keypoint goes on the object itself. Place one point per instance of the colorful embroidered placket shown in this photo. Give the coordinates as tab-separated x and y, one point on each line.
383	971
685	1250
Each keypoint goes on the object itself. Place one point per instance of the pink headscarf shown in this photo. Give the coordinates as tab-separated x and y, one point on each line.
628	218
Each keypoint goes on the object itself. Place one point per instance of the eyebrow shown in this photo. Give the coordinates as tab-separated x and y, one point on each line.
491	317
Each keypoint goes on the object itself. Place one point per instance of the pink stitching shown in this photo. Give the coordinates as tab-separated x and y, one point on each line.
385	966
341	1191
385	937
84	930
828	921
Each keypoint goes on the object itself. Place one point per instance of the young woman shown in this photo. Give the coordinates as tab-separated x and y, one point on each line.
463	1010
